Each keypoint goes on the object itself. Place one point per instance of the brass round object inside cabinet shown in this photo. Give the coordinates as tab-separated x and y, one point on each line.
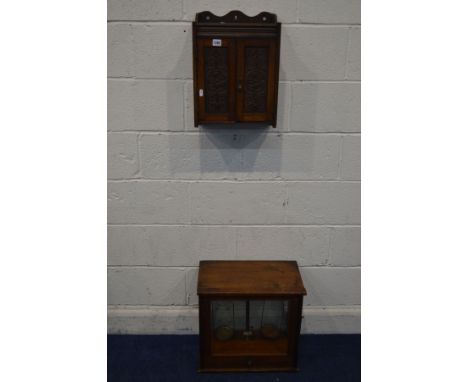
270	331
224	333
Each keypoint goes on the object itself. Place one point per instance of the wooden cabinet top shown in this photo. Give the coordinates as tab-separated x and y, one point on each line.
236	18
231	278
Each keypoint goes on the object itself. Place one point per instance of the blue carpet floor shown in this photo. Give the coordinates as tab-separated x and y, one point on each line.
322	358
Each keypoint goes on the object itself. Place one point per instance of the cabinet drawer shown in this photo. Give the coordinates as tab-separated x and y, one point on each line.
246	363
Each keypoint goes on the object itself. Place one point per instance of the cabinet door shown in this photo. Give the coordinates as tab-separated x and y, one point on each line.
252	334
256	80
215	87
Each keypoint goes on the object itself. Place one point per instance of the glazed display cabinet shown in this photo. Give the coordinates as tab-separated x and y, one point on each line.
250	315
235	68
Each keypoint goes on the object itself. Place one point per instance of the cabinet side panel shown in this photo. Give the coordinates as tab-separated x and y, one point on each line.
195	76
204	330
276	79
295	318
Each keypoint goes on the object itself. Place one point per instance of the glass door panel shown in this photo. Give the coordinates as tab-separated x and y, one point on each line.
249	327
216	80
256	73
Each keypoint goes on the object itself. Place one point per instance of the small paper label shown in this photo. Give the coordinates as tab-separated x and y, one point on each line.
216	42
200	92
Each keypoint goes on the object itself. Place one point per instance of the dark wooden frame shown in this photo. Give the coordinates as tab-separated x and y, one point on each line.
209	290
236	30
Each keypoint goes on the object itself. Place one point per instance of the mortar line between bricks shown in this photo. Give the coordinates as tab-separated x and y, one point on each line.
149	21
235	225
132	78
322	25
195	306
225	131
342	81
231	181
189	22
174	267
117	306
183	267
183	79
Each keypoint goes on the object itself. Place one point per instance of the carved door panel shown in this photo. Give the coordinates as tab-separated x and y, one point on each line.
256	79
216	80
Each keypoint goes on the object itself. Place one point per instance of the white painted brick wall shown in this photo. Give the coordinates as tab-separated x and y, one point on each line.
254	155
146	286
148	202
120	51
238	203
330	286
283	8
345	246
179	194
351	158
218	7
180	245
325	107
353	62
307	245
140	105
191	280
313	52
144	10
160	51
329	11
323	203
122	156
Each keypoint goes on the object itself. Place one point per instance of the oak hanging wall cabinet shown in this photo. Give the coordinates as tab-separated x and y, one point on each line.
250	315
236	68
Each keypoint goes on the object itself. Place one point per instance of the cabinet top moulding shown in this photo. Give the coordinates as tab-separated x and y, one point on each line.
236	24
236	18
